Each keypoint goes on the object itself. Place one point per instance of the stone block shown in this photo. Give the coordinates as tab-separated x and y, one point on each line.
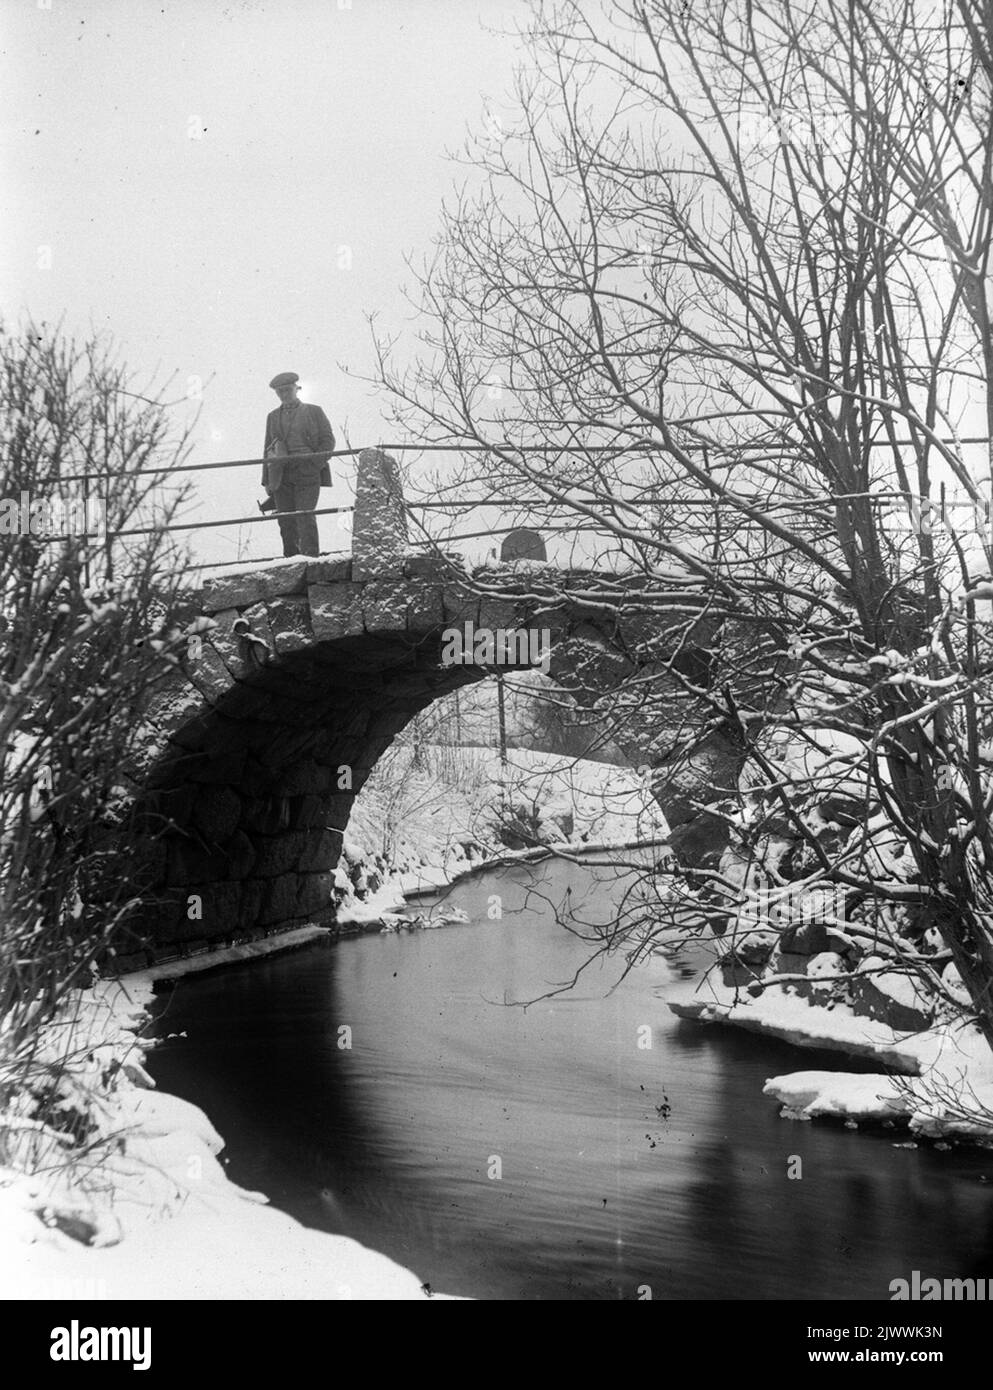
233	591
808	939
282	580
460	608
175	706
379	522
289	622
319	851
255	780
339	808
330	571
307	777
430	566
158	916
191	862
314	896
335	610
279	902
280	854
217	812
384	605
326	747
287	743
208	674
221	910
266	815
699	842
504	614
252	895
308	811
754	948
217	915
425	606
240	854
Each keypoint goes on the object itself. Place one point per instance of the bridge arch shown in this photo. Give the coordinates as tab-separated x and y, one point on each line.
298	682
300	677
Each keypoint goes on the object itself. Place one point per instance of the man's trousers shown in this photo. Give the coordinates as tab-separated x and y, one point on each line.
299	533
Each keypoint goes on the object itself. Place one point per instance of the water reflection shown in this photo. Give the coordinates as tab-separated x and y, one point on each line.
539	1152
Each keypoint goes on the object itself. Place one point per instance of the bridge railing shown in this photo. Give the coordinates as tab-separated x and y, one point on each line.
380	512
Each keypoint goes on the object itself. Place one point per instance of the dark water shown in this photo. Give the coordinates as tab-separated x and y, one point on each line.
541	1154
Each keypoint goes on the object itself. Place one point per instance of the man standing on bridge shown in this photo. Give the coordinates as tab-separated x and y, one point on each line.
294	486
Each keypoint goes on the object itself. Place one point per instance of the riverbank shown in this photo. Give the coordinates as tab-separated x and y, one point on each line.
548	1151
429	815
142	1207
943	1088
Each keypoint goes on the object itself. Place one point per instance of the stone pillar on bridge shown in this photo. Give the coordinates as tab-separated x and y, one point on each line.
379	526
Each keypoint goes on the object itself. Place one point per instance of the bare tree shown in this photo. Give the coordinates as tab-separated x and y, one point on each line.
86	629
719	301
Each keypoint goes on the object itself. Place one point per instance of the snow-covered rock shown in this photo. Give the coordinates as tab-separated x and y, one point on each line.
805	1095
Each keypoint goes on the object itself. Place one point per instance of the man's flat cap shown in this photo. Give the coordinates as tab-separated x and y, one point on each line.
284	379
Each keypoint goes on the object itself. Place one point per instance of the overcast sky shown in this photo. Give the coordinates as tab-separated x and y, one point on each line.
231	188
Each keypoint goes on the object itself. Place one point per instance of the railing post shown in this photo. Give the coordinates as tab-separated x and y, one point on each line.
379	523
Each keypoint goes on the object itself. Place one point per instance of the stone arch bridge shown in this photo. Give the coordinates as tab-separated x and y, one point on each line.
306	667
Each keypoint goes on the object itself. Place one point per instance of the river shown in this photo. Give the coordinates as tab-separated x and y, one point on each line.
392	1088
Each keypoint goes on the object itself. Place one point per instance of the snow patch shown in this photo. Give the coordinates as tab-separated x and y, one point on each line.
150	1213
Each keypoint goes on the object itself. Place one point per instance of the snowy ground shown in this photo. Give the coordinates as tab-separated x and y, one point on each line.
144	1209
946	1085
147	1210
420	822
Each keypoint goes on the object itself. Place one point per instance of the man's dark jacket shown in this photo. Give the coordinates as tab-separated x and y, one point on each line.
316	429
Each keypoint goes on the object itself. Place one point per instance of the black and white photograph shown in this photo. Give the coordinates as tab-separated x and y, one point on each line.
496	663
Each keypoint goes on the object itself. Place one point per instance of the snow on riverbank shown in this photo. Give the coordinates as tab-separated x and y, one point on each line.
951	1096
142	1208
946	1082
428	815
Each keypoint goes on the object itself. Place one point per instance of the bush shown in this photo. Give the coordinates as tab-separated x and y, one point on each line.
85	632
